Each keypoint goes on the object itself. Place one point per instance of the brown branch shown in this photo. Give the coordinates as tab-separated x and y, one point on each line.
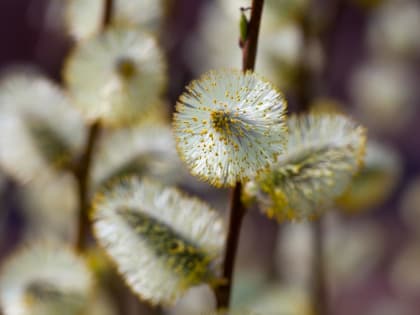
310	85
305	76
107	17
237	209
319	286
83	166
82	172
237	213
249	51
327	38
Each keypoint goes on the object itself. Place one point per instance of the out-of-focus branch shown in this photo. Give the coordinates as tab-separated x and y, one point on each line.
107	17
319	287
312	84
83	167
82	172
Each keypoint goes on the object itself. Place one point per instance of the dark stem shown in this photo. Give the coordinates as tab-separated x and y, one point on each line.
237	213
313	84
305	95
320	294
126	302
107	17
305	76
327	38
249	51
83	166
237	209
82	173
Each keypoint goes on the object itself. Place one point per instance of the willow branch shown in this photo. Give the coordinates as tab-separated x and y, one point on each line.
237	212
305	88
319	287
83	167
107	17
311	85
82	176
249	50
237	209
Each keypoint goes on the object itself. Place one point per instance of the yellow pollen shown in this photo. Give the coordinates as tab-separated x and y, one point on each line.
221	121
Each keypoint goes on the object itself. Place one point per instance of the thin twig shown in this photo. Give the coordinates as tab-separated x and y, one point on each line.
320	294
249	51
237	213
310	85
125	300
327	37
82	172
305	88
83	167
237	209
107	17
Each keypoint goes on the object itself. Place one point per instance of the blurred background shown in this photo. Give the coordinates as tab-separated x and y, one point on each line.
361	58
